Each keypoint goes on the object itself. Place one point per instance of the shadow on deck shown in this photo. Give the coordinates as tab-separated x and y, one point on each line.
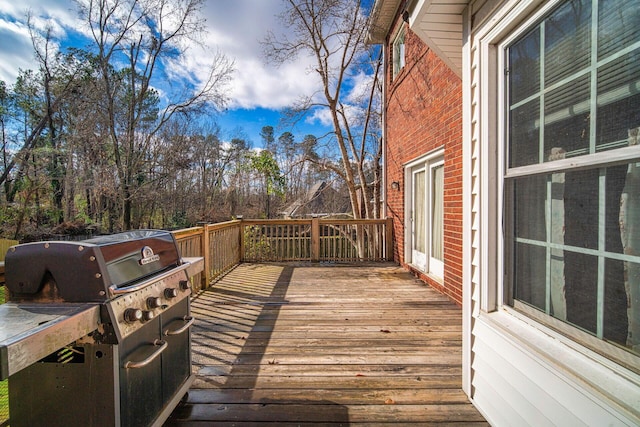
333	345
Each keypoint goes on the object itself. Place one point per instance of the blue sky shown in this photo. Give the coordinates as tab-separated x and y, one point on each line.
235	27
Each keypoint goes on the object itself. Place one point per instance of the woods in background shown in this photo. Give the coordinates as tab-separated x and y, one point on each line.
88	141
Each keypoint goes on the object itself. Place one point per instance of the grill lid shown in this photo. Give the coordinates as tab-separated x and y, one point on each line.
84	271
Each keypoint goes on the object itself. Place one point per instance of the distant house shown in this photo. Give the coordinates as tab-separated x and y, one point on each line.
532	109
320	200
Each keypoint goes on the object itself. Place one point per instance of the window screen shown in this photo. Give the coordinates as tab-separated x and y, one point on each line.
573	228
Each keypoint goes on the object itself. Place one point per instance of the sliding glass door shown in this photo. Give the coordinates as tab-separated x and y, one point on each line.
426	215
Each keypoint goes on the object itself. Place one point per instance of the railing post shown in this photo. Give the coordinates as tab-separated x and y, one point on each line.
241	237
315	239
389	238
206	255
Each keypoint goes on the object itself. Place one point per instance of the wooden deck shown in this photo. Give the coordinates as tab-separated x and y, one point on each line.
325	345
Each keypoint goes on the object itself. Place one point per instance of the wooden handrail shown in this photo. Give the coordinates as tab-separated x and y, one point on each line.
222	225
187	232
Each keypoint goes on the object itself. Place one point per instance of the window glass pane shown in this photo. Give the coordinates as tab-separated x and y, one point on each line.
437	212
524	134
530	198
617	194
581	289
618	26
581	202
419	220
398	53
567	40
524	67
568	86
566	118
618	100
576	243
530	280
629	219
615	316
632	291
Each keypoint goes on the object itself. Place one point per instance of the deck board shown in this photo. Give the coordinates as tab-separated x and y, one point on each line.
325	345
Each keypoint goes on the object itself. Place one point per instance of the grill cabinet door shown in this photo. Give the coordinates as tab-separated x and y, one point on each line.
176	360
68	388
141	387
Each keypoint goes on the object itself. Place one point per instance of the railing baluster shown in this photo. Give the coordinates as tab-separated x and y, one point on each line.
224	245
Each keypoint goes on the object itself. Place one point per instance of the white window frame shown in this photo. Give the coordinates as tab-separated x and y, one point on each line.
497	131
398	53
434	159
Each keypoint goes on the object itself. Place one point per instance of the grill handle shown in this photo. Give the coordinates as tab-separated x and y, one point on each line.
163	346
188	319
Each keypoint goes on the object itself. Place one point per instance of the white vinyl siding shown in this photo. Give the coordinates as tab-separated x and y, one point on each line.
527	389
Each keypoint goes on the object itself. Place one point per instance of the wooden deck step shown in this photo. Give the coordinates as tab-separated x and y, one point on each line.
325	345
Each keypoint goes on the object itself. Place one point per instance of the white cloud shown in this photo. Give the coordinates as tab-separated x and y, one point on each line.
16	50
322	116
15	42
235	28
360	87
258	85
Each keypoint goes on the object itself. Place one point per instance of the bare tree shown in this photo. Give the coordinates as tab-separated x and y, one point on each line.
333	33
148	36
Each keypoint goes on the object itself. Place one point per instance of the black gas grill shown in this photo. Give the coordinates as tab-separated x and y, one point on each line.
97	333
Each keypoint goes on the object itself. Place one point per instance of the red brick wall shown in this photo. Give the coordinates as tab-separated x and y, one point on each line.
424	113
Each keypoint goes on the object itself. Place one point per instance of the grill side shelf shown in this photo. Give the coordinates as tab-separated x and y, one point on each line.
29	332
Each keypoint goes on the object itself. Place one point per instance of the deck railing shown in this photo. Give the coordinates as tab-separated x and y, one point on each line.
226	244
219	244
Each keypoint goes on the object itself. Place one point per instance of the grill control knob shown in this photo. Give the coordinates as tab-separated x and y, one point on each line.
147	315
170	293
132	315
185	284
154	302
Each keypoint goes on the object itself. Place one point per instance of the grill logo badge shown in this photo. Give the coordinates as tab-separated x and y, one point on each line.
148	256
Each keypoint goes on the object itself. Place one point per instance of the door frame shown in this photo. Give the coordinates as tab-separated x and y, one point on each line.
426	163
